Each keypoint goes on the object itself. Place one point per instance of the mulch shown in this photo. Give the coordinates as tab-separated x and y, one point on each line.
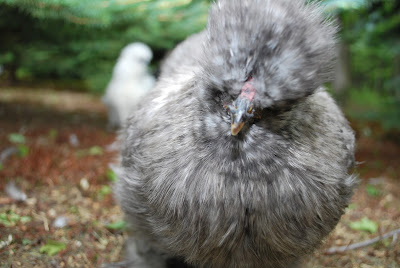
69	179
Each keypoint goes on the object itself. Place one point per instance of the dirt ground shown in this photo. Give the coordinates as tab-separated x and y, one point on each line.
65	176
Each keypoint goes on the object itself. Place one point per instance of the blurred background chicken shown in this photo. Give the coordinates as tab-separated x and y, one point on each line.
130	81
238	157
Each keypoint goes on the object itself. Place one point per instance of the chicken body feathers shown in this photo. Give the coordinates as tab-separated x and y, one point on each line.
264	198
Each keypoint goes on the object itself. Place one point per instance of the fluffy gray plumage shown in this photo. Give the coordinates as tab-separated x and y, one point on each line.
264	197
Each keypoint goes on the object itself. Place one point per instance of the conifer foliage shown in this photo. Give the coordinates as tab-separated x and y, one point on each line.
80	40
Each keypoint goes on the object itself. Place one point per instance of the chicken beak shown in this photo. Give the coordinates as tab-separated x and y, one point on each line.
236	128
242	108
240	111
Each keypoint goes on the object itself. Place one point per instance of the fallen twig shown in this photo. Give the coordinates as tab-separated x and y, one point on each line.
334	250
6	200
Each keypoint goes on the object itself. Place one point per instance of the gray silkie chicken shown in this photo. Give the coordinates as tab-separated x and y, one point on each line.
239	158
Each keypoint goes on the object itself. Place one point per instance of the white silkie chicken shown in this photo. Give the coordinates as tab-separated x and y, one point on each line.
129	82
